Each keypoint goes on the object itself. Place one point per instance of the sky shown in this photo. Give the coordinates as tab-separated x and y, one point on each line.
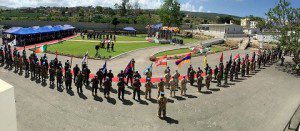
234	7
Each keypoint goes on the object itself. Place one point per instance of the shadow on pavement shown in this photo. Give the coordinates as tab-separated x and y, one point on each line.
214	89
191	96
153	100
206	92
97	98
127	102
179	98
111	100
143	102
170	120
82	96
70	92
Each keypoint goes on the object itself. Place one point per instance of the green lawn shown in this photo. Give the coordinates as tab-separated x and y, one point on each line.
140	37
173	52
217	48
78	49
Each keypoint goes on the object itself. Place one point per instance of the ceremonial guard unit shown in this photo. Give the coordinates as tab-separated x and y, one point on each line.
42	69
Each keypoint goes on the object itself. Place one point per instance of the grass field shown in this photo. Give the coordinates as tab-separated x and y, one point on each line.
78	49
140	37
173	52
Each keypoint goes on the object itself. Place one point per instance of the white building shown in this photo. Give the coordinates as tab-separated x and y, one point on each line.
221	30
250	27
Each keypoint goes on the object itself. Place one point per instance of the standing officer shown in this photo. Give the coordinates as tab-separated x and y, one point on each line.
199	83
79	82
121	75
168	79
161	87
247	67
68	79
59	76
199	72
137	75
121	88
173	84
162	102
176	78
75	70
208	80
183	83
216	71
67	65
219	78
149	74
95	83
243	68
107	86
100	76
226	71
189	70
137	89
52	75
130	77
110	75
237	68
148	87
192	77
232	69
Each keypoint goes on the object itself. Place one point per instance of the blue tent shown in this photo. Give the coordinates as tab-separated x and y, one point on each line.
129	29
25	31
58	28
45	29
12	29
157	26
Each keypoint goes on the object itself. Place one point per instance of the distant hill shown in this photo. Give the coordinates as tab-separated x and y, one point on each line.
209	16
4	7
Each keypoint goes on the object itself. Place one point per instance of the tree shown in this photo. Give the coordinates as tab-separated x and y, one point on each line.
115	22
123	7
224	19
170	13
285	20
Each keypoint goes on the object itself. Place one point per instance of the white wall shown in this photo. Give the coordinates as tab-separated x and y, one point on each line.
8	121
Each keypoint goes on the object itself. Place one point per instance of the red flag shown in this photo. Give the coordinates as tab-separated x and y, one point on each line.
221	57
237	56
161	61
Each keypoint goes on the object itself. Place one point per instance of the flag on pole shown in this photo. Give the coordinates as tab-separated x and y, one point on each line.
221	57
56	54
85	57
161	61
185	59
104	67
205	61
148	68
41	49
128	68
237	56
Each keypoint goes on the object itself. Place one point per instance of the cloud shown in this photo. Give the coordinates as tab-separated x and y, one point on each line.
189	7
146	4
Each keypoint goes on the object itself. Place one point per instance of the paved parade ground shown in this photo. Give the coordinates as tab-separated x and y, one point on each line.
264	100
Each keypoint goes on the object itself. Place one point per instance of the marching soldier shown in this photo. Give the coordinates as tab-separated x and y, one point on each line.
148	87
192	77
75	70
121	88
173	84
79	82
95	83
183	83
137	89
161	87
162	102
107	86
68	79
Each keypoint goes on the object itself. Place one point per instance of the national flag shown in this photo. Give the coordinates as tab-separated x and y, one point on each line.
128	68
41	49
221	57
185	59
161	61
85	57
230	58
104	67
205	61
148	68
237	56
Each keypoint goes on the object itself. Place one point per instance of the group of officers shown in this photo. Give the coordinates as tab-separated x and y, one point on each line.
41	69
